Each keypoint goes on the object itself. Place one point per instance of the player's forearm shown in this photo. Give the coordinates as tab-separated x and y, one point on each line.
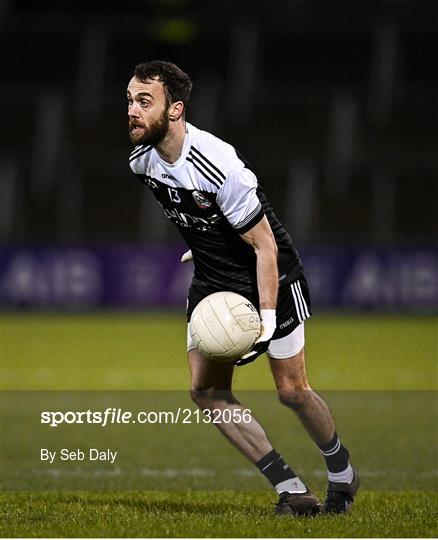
262	240
267	276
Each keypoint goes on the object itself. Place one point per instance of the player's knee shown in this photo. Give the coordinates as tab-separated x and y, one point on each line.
294	397
198	396
209	398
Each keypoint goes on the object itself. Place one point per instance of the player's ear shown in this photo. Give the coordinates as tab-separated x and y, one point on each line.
176	110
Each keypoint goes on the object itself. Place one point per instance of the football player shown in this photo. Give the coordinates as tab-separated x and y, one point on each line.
212	195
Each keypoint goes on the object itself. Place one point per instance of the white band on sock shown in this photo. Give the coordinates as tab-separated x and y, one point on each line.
333	450
293	485
346	477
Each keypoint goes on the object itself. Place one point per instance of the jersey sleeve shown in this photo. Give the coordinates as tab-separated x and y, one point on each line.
238	200
139	159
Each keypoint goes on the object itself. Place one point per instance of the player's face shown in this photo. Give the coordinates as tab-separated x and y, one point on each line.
147	112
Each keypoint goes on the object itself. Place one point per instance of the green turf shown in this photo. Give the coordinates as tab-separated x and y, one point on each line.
209	514
147	351
378	374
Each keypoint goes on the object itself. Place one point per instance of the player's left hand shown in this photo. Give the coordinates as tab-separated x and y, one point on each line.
269	324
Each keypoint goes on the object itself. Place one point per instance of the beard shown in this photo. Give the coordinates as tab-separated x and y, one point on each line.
149	135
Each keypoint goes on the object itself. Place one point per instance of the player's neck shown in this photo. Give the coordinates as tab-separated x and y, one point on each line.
170	148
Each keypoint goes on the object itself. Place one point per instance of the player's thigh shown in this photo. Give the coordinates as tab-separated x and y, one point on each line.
206	374
287	361
286	350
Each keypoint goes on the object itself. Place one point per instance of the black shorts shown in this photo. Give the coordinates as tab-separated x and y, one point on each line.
293	304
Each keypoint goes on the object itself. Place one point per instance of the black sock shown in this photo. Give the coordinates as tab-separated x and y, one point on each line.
335	455
274	468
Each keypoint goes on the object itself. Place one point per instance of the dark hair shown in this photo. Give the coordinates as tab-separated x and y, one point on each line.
177	84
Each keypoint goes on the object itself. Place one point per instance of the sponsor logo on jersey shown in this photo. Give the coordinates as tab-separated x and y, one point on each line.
182	219
200	200
169	176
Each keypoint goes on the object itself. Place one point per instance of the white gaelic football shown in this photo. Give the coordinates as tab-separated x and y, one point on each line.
224	326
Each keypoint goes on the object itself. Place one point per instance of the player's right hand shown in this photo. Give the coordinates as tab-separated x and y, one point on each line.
187	256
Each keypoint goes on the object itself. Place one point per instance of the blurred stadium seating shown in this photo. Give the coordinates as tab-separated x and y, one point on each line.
334	104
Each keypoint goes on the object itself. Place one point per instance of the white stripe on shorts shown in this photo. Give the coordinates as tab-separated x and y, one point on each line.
304	302
297	301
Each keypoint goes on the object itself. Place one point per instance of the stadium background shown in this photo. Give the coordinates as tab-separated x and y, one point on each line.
334	104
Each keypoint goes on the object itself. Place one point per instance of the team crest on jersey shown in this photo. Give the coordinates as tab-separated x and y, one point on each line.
200	200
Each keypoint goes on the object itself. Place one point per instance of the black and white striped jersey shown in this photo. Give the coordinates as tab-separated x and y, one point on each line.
213	197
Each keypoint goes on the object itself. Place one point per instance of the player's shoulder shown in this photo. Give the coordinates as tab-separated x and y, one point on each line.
139	158
210	151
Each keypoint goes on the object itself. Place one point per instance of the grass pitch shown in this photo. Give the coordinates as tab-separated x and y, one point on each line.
378	375
128	351
210	514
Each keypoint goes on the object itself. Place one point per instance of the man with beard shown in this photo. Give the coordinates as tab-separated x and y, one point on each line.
208	190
